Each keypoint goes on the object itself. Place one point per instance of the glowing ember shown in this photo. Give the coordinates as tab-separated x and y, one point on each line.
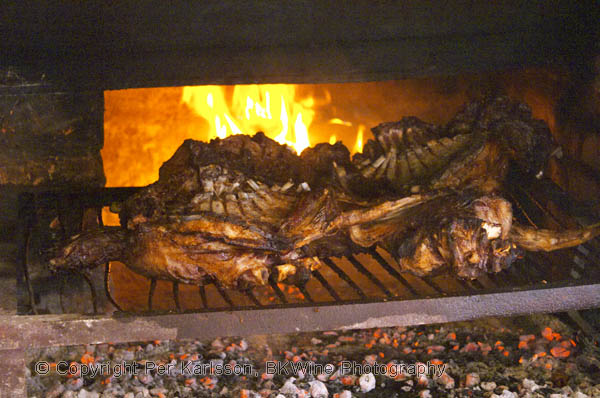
271	108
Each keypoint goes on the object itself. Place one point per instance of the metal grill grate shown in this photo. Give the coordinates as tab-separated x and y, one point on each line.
374	276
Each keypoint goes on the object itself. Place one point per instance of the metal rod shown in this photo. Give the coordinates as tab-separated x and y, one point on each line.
361	268
107	287
326	285
151	293
344	277
537	267
465	285
539	205
176	296
429	281
520	209
278	292
223	293
20	332
202	292
387	266
495	277
253	298
106	267
477	284
307	296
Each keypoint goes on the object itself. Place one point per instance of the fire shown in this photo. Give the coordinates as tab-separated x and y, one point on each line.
271	108
358	146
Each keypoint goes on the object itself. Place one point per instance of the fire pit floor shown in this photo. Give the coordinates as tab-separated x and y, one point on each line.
536	356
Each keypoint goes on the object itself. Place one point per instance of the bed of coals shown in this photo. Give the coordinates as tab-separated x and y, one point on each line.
537	356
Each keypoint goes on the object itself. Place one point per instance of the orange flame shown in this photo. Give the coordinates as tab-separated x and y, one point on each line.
271	108
358	146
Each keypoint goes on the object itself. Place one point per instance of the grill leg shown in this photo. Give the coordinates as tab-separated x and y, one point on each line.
176	296
106	267
107	287
151	293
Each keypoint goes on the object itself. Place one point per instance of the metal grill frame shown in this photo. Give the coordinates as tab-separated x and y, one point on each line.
522	289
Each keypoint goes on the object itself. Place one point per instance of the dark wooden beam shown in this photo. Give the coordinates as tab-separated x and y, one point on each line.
111	45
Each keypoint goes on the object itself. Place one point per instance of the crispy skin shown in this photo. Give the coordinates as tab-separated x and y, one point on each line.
533	239
462	232
472	151
90	249
162	252
245	209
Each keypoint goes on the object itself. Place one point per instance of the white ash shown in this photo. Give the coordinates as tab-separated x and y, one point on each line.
579	394
345	394
446	381
74	384
87	394
318	389
505	394
469	367
472	380
55	391
425	394
488	385
530	385
289	387
367	382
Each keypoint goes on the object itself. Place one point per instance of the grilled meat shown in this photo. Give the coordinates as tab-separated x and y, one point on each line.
533	239
245	209
467	234
472	151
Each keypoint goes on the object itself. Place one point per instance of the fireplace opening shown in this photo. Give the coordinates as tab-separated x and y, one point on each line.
144	127
95	96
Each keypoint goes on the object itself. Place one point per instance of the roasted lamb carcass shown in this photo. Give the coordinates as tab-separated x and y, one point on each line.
472	151
243	210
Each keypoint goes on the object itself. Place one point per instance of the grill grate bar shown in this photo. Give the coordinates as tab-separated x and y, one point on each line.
382	261
429	282
252	298
525	269
537	267
344	277
326	285
361	268
223	293
202	292
539	205
477	284
278	292
534	270
497	279
306	294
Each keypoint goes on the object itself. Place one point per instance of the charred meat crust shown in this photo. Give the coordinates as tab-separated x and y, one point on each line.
245	209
